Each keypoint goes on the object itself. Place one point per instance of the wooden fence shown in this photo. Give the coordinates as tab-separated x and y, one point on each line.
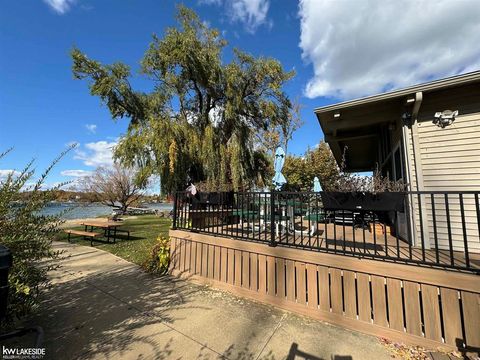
429	307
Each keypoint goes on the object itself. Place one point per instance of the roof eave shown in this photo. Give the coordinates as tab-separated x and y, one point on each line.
425	87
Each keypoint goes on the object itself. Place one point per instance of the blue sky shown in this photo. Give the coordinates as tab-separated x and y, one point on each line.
336	49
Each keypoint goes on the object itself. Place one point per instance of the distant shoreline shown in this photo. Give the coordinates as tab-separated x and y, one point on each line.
79	202
75	211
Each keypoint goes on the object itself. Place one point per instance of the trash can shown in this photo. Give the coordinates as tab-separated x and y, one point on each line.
5	265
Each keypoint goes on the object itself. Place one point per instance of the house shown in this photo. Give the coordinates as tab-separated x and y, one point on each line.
427	135
418	284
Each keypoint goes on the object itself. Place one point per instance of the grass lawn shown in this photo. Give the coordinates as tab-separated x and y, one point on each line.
144	230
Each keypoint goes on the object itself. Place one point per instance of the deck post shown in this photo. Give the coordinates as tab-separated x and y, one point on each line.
272	218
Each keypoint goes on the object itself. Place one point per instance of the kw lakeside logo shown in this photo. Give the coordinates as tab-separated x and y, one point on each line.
22	353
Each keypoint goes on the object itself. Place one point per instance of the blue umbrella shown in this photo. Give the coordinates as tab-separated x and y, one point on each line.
278	180
316	185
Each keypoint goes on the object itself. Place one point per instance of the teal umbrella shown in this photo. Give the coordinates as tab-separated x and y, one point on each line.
316	185
278	180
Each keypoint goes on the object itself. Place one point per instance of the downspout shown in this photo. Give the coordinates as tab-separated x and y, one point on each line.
411	234
406	138
415	141
419	186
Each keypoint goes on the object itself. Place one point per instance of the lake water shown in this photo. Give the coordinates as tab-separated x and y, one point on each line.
81	211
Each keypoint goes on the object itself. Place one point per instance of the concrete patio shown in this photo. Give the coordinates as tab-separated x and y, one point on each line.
103	307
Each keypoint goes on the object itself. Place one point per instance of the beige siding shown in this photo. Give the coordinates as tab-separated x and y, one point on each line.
450	161
456	145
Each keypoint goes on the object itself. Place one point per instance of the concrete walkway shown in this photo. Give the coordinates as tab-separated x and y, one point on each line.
103	307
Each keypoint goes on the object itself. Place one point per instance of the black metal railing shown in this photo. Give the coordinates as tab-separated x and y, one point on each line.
436	229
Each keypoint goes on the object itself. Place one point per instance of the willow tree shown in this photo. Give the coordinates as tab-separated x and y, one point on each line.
201	120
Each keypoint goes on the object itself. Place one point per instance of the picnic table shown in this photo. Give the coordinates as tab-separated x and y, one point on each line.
110	230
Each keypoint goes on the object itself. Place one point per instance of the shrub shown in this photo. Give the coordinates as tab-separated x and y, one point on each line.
159	258
28	235
348	182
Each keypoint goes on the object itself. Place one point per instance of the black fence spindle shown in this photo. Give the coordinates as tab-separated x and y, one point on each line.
422	225
334	230
435	231
397	227
374	234
174	220
477	210
464	230
272	218
363	231
385	239
449	229
326	229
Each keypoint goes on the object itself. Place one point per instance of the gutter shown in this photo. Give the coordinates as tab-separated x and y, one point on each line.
457	80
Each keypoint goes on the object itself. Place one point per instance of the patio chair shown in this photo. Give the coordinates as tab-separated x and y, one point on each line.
314	218
307	212
248	216
345	217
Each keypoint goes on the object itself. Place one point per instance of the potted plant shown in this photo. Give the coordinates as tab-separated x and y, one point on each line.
355	192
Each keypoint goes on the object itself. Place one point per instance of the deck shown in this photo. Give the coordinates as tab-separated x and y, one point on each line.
346	240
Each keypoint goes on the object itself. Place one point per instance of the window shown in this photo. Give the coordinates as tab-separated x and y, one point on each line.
392	166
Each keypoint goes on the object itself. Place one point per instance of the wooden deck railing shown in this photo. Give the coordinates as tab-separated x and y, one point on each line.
428	307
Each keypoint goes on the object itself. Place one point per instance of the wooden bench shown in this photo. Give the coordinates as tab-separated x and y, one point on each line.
85	234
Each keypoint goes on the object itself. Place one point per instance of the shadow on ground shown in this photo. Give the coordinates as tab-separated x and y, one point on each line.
102	307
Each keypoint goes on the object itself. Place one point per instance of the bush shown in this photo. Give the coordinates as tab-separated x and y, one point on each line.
348	182
28	235
159	258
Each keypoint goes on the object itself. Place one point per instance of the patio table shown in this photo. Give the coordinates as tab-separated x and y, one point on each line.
108	226
302	209
263	217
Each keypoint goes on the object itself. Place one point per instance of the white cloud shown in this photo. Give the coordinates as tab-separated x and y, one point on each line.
75	173
216	115
60	6
4	173
251	13
48	186
91	128
209	2
96	154
359	48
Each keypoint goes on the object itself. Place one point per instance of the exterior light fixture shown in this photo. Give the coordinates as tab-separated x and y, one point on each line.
336	115
407	118
445	118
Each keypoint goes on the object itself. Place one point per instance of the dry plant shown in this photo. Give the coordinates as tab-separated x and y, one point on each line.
117	187
350	182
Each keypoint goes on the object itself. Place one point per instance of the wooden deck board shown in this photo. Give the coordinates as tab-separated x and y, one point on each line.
350	241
